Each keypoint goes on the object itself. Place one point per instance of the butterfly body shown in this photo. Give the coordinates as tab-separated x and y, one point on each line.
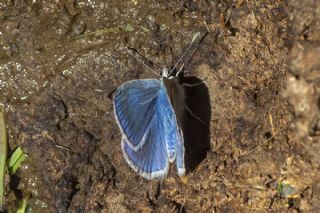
149	115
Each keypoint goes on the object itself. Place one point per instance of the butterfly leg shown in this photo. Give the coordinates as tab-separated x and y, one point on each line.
193	115
193	85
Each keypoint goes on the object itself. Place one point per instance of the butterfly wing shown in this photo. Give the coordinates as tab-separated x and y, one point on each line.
134	107
151	136
180	156
151	160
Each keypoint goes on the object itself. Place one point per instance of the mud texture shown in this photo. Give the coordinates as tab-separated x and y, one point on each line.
258	109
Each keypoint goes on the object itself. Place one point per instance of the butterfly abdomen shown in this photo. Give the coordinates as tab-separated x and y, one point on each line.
173	94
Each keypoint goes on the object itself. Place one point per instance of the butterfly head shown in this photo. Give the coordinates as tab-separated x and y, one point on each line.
170	74
165	73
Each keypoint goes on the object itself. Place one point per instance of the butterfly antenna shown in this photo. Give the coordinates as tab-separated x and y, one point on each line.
130	51
184	54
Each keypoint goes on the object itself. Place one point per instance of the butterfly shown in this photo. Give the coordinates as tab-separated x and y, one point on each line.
149	114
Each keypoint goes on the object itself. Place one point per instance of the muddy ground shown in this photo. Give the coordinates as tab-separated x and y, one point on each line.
259	104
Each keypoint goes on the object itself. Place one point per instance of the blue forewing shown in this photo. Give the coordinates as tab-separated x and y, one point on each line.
149	113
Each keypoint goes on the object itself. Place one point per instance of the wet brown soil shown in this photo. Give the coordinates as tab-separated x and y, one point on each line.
259	105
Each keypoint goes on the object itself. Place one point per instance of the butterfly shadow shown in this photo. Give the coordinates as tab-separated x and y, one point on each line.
196	127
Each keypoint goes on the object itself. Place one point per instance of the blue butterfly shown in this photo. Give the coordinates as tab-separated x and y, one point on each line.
149	115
